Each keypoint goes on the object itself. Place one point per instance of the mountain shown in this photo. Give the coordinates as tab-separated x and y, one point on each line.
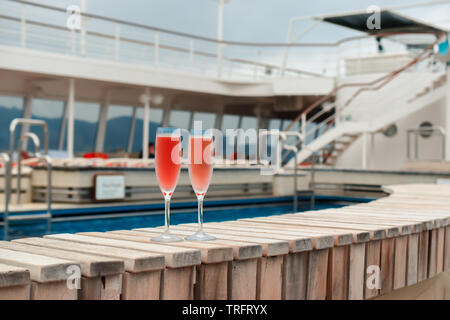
117	132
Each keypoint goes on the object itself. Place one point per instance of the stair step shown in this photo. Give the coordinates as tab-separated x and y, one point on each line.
29	217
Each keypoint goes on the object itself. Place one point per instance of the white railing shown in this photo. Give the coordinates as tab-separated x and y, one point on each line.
40	27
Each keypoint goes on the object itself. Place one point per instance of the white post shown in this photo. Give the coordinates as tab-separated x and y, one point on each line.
132	128
166	117
146	102
70	118
156	49
117	43
219	37
62	130
364	151
83	29
102	122
191	54
447	120
27	110
23	23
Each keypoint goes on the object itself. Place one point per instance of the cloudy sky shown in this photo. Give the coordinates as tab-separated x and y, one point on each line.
248	20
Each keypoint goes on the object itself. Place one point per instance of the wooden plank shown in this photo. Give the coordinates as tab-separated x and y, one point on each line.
440	249
317	270
101	288
297	241
91	265
295	274
211	282
356	271
375	232
42	268
337	281
242	279
174	257
304	235
342	236
210	252
177	284
134	260
271	247
52	291
432	253
447	249
214	256
20	292
412	272
387	265
373	258
270	278
241	250
11	276
422	265
400	262
141	285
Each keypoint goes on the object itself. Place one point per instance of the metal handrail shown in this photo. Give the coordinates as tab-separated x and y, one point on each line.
284	136
16	122
416	131
6	161
37	146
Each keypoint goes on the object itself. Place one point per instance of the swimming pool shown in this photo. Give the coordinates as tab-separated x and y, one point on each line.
214	212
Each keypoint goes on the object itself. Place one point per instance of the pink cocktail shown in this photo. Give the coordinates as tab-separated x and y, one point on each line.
167	167
201	151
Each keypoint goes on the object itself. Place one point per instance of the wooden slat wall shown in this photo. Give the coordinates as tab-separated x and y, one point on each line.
323	254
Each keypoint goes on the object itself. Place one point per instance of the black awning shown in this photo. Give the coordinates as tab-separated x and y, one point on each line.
390	21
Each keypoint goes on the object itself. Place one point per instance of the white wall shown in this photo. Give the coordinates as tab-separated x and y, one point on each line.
390	153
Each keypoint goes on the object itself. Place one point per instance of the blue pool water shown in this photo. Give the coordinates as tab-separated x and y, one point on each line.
157	219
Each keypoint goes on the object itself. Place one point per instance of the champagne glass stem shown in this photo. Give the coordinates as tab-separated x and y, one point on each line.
200	214
166	214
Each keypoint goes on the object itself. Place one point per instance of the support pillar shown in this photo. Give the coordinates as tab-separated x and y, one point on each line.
71	118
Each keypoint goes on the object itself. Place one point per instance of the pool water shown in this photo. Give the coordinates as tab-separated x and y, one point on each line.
155	220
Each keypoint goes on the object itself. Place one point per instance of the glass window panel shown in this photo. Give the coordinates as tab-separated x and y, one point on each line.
117	128
86	120
10	108
230	122
274	124
179	119
206	118
156	117
51	112
249	122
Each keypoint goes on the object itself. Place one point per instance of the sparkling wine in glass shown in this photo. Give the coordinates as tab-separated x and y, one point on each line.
201	156
167	167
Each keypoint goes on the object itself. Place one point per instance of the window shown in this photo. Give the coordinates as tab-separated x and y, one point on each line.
86	120
180	119
207	119
156	118
51	112
118	128
249	122
10	108
230	122
274	124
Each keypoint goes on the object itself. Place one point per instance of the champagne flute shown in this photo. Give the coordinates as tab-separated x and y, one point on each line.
201	150
167	167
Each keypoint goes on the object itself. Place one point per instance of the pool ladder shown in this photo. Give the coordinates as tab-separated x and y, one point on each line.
6	159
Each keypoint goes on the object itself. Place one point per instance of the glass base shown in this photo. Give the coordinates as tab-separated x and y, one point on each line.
200	236
167	237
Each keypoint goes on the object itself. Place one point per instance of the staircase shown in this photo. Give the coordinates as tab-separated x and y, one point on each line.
370	111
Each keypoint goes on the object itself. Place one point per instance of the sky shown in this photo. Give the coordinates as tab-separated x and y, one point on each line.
245	20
